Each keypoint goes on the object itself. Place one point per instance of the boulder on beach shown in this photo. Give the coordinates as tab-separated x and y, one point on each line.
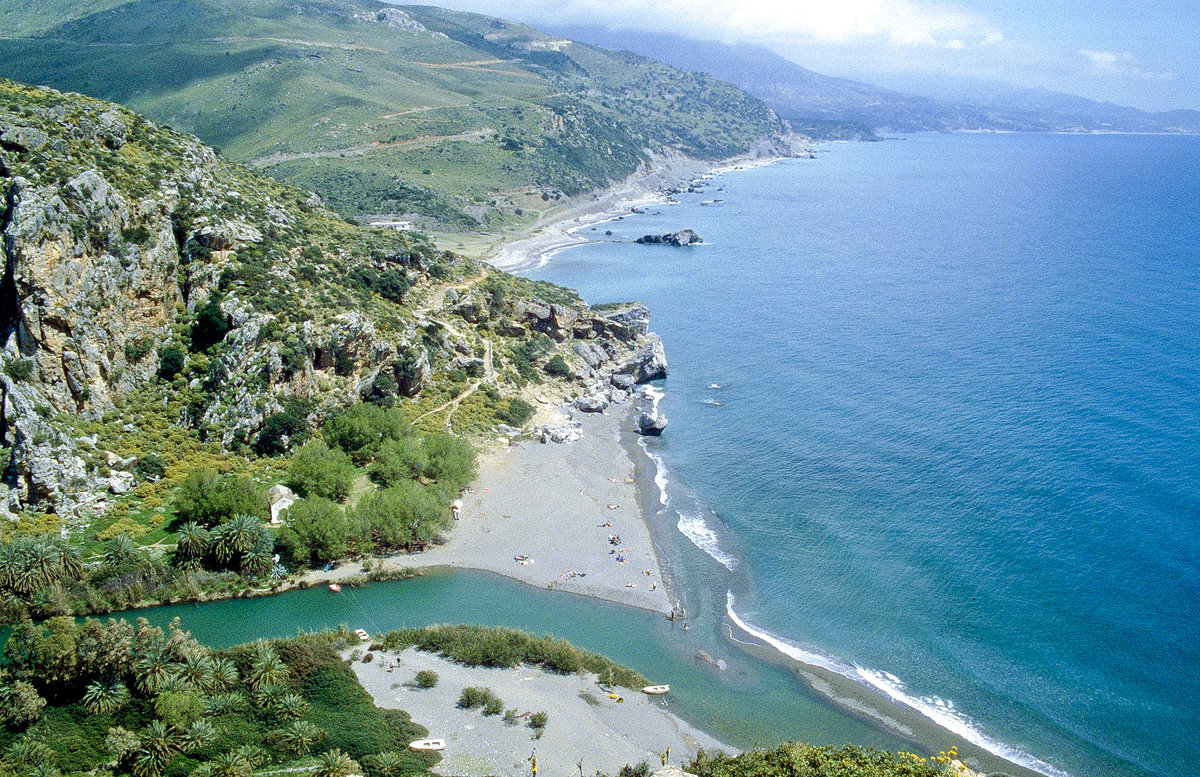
650	425
684	237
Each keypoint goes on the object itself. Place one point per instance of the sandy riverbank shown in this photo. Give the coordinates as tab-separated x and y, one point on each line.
584	724
552	503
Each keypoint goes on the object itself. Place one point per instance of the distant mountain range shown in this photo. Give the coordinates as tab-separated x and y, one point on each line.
827	105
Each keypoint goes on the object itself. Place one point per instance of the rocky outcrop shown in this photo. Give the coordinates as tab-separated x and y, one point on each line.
684	237
648	363
650	424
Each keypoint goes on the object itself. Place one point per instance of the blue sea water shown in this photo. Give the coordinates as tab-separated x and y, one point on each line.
936	400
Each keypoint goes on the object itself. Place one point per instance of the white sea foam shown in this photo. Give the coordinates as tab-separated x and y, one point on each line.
703	537
655	395
940	711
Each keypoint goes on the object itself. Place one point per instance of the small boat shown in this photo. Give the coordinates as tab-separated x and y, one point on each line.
334	587
656	690
427	744
363	635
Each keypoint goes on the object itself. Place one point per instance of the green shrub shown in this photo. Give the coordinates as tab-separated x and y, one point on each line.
397	460
799	760
211	324
538	721
150	467
170	361
426	678
516	413
18	369
493	706
317	531
403	513
557	367
362	428
475	696
283	429
136	348
207	499
138	235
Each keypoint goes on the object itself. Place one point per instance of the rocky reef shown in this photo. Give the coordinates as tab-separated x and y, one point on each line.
684	237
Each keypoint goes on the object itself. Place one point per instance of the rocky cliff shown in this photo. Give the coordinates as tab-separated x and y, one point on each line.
152	290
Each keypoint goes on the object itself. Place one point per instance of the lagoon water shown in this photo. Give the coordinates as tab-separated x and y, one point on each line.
936	402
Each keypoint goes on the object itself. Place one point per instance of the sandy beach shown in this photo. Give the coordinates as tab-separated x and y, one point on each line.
545	514
584	724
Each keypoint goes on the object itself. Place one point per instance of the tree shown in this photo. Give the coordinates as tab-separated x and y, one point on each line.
236	537
403	459
105	696
317	531
199	734
152	672
170	361
105	649
120	551
211	324
318	470
300	736
335	763
386	764
266	668
20	704
207	499
401	514
224	674
362	428
451	462
192	544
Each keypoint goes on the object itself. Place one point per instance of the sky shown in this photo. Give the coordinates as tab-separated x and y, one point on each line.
1142	53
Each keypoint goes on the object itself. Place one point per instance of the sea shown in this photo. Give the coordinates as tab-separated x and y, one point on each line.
934	423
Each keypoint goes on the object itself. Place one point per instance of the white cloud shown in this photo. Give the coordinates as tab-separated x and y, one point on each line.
1121	63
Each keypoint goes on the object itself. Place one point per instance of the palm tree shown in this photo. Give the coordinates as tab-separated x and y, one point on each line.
26	752
198	735
160	744
198	670
120	550
257	561
224	674
193	542
300	736
335	763
387	764
230	764
152	673
105	696
265	667
238	535
220	703
290	706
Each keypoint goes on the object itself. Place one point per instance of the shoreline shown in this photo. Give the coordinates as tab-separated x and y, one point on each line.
543	514
558	229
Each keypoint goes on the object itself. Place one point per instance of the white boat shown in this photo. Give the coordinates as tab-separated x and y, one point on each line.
656	690
334	587
363	635
427	744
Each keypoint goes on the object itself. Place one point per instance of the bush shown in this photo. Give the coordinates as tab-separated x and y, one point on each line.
136	348
516	413
451	462
493	706
18	369
404	513
799	760
426	678
170	361
538	721
318	470
211	325
382	391
392	285
557	367
361	429
475	696
283	429
150	467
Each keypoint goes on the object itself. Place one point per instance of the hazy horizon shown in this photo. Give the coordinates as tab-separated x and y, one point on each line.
1133	54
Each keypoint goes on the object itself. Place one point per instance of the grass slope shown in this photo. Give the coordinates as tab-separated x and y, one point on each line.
457	117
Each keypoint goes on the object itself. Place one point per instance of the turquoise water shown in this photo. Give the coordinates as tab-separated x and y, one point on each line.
751	703
957	447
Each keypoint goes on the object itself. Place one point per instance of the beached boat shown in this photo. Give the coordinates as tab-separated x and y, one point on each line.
655	690
363	635
334	587
427	744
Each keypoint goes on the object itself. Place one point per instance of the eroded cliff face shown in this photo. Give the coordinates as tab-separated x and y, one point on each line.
142	271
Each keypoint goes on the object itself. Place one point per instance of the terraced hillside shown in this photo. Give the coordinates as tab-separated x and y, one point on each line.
460	120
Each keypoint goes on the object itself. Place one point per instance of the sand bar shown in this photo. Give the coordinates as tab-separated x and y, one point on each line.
584	724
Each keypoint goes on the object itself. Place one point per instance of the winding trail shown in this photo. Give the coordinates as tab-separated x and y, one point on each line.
279	157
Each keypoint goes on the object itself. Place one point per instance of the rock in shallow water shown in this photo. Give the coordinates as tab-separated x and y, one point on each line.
651	425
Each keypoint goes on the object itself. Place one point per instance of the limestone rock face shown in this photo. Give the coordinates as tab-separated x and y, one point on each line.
648	363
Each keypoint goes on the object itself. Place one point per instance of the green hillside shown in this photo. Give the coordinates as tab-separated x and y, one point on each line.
466	119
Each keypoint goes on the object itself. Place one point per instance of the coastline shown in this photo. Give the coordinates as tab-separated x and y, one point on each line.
559	227
548	504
